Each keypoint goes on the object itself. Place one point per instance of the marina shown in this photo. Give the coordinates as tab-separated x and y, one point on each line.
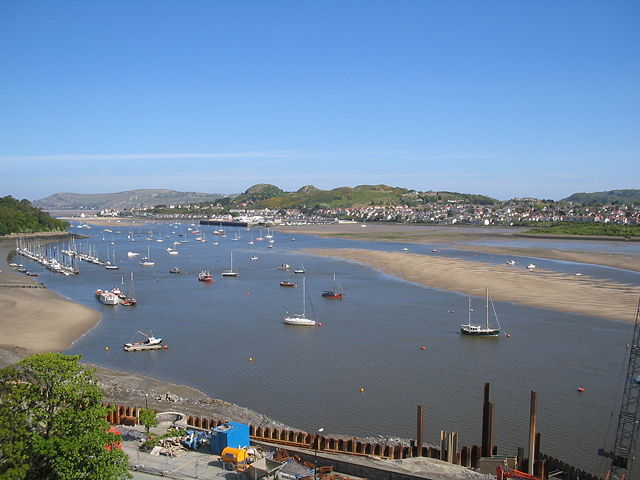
364	342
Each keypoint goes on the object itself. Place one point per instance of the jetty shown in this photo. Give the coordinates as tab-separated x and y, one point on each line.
22	285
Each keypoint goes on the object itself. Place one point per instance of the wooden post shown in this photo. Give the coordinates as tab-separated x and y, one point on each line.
487	423
419	431
475	456
454	449
532	433
520	458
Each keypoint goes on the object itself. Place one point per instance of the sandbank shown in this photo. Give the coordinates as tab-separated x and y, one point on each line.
36	320
583	295
615	260
463	237
106	221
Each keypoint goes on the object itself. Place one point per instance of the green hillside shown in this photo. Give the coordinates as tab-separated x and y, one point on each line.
259	193
310	197
627	196
19	216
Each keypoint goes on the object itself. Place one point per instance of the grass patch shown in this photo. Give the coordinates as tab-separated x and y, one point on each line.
589	229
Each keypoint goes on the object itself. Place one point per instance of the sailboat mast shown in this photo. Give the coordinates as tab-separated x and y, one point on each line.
304	298
487	288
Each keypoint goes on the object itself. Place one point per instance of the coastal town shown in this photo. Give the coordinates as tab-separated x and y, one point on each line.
517	212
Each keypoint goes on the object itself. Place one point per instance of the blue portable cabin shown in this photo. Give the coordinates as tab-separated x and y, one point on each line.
230	434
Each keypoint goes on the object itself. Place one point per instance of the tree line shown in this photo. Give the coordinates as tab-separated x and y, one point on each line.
19	216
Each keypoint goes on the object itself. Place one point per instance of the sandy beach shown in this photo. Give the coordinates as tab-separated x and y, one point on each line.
36	320
509	283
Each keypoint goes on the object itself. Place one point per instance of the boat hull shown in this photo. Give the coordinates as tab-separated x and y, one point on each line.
332	295
482	332
300	321
108	298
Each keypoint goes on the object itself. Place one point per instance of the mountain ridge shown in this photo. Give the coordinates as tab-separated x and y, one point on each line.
265	195
145	197
608	196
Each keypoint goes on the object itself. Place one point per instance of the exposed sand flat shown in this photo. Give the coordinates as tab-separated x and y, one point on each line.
511	283
106	221
426	234
36	320
402	232
616	260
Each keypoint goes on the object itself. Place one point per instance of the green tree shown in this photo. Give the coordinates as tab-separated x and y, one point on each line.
148	419
19	216
52	422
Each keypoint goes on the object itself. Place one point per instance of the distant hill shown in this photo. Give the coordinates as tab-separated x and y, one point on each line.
310	197
262	195
122	200
258	193
623	196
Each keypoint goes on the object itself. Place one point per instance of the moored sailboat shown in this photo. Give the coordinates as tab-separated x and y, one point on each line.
301	319
334	292
479	330
130	300
230	272
146	261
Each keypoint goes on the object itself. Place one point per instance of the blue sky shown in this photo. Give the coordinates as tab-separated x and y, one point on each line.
502	98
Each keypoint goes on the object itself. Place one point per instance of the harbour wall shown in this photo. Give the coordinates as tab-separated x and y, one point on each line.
331	450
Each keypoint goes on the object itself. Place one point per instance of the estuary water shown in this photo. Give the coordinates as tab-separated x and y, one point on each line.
313	377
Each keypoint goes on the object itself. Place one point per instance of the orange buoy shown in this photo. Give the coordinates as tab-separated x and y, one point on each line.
319	324
166	347
581	389
423	348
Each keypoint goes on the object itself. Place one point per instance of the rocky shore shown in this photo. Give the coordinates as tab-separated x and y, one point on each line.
130	389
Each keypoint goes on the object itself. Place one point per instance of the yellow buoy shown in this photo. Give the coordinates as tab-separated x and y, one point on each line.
106	348
250	359
361	389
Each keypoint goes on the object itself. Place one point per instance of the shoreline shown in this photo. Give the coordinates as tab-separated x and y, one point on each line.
428	234
582	295
37	320
132	388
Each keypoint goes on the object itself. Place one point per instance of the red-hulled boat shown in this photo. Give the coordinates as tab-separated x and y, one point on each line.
334	292
205	276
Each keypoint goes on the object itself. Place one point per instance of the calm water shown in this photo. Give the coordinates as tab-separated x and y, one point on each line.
311	377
